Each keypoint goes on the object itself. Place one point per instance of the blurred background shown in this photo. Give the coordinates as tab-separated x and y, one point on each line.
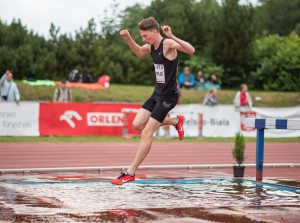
255	42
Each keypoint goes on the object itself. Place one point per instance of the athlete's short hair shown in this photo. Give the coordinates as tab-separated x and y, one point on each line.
148	24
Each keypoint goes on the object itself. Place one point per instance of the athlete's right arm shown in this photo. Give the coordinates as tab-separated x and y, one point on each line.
138	50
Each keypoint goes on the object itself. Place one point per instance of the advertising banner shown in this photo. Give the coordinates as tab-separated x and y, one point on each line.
108	119
19	120
82	119
226	120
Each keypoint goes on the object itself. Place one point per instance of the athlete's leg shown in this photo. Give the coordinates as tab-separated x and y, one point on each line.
141	119
177	122
170	121
145	145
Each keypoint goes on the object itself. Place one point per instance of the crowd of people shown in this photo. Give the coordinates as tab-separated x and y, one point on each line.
10	92
187	80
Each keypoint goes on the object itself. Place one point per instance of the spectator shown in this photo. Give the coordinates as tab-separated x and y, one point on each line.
186	79
62	94
212	82
211	98
242	98
9	89
213	78
200	81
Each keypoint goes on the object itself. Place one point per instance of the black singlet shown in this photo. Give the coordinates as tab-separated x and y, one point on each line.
165	71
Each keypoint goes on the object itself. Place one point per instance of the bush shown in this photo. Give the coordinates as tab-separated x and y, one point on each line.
238	152
277	61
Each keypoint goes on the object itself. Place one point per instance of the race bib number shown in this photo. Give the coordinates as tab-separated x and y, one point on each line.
160	73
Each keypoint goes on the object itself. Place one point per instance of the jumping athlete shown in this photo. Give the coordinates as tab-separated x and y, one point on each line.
153	113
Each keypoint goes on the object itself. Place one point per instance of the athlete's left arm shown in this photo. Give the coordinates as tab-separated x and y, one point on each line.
178	44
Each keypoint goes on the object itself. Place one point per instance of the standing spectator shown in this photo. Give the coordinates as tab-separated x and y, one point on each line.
9	89
242	98
62	94
211	98
186	79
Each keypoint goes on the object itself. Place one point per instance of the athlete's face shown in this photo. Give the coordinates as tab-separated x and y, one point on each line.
149	36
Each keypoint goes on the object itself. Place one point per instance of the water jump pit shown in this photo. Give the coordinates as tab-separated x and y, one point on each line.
155	196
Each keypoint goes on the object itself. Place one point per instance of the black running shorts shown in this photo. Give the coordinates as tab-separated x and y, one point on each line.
159	105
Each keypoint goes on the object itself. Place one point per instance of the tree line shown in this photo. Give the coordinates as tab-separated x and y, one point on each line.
258	45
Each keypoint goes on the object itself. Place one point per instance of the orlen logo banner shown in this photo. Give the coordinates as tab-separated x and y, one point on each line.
104	119
82	119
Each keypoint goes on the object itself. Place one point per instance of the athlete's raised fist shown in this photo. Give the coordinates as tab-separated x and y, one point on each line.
125	34
167	31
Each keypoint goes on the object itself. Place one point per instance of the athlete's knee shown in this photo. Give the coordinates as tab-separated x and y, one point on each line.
138	126
147	134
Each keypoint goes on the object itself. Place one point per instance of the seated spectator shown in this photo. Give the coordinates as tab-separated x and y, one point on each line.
213	78
211	98
212	82
62	94
9	89
199	81
186	79
242	98
199	77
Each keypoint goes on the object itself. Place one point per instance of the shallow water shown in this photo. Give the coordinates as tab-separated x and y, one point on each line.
88	198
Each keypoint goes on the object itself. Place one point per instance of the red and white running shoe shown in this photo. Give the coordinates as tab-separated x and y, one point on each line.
123	178
179	127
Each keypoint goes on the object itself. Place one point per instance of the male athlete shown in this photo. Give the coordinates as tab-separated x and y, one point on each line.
153	113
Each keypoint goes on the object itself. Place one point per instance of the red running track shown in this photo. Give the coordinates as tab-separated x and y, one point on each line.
95	154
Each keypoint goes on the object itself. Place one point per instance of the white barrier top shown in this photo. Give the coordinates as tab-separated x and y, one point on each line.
272	123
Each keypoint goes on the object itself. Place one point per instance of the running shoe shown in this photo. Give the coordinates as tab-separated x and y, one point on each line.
123	178
179	127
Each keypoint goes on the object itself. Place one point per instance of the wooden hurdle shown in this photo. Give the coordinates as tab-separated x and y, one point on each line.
261	125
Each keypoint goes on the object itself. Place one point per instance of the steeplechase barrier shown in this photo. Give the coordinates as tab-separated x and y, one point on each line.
261	125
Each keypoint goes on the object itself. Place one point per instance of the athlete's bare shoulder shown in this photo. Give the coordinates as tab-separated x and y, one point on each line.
169	42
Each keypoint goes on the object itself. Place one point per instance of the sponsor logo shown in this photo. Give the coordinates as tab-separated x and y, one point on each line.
68	115
124	181
104	119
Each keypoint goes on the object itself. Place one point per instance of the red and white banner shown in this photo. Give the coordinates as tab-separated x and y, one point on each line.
107	119
82	119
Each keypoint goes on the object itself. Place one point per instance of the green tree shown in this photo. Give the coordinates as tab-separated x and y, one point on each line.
238	152
278	16
277	63
232	41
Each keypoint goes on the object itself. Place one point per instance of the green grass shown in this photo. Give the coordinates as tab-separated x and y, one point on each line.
137	93
137	139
